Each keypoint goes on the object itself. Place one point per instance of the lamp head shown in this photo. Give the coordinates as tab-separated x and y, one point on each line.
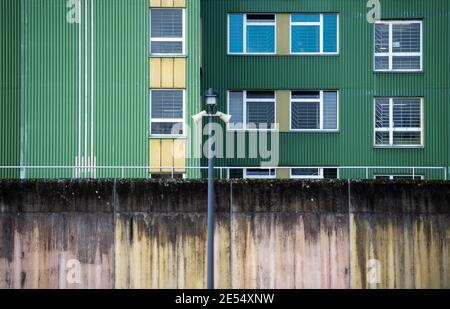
211	97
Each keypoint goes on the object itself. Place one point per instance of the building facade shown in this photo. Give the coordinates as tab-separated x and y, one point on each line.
331	89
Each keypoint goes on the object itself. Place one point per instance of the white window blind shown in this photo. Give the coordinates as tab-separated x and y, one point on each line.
398	46
251	110
167	112
398	122
167	31
314	110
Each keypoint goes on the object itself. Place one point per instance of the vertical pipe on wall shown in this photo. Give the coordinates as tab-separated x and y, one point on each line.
80	63
92	81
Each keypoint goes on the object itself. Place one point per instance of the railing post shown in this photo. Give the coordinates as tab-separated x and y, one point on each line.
414	173
367	173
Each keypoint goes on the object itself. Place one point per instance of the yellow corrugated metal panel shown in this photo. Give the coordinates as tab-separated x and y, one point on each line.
167	3
155	3
179	155
179	3
166	154
283	108
155	72
179	71
283	34
283	173
167	72
155	154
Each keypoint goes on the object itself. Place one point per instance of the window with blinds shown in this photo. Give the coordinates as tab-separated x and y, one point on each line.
314	33
398	122
314	173
250	173
251	110
314	110
167	112
251	33
166	31
398	46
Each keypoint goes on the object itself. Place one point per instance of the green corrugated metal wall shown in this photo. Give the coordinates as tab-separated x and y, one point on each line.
97	106
116	131
193	82
351	72
43	77
9	86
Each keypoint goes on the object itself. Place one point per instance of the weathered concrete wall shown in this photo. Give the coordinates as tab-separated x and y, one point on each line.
137	234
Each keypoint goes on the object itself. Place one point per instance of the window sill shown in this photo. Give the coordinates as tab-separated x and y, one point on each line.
285	55
167	56
314	131
167	136
399	147
394	71
255	54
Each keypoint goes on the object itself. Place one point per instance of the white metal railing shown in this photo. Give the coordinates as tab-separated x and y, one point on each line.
77	170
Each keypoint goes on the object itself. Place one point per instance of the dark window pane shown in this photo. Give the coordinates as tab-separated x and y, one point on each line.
261	114
306	115
236	173
306	172
260	95
171	128
261	17
167	47
306	94
167	176
382	177
330	173
260	172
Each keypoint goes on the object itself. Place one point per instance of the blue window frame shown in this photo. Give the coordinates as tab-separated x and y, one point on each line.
251	33
314	33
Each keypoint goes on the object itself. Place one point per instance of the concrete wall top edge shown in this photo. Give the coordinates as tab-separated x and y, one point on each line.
172	197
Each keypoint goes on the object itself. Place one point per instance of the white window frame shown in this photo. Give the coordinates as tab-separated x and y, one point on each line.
244	112
321	129
244	34
320	176
391	177
391	128
320	24
162	120
390	53
246	176
182	39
